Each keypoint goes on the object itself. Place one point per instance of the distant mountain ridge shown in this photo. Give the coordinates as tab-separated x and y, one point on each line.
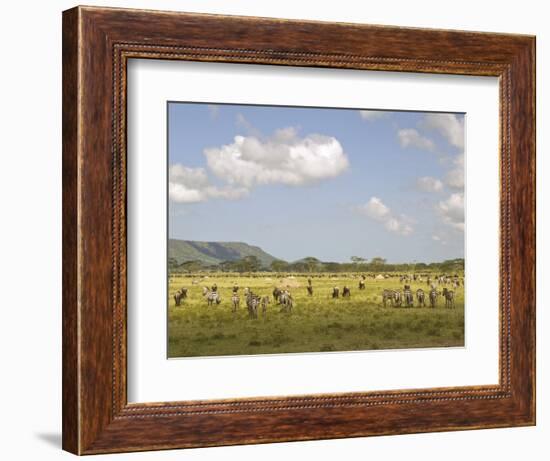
210	253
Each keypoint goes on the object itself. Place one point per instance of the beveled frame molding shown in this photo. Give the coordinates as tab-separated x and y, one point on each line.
97	43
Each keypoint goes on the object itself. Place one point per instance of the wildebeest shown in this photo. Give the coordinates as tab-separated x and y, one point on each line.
408	296
335	292
433	297
235	301
310	290
235	288
449	296
264	302
205	291
421	297
346	292
276	294
213	298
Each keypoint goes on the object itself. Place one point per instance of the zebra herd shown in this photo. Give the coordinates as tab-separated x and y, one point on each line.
396	298
256	303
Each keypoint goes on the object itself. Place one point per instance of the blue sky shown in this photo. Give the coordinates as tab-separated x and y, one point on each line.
328	183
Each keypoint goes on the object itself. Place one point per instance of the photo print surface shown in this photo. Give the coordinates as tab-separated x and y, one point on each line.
302	229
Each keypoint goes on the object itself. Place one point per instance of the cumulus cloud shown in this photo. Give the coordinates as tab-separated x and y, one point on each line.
191	185
284	158
377	210
429	184
455	176
450	126
409	137
452	211
372	115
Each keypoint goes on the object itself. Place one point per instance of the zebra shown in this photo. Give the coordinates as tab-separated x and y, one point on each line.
252	302
449	296
286	301
420	297
396	298
387	295
346	292
235	302
408	296
310	290
213	298
433	298
264	301
335	292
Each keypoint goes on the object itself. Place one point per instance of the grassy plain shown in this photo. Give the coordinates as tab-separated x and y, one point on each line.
317	323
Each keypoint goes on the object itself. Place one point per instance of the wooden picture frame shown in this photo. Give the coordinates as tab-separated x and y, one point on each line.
97	43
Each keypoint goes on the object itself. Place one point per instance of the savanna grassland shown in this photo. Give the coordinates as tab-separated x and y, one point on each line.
317	323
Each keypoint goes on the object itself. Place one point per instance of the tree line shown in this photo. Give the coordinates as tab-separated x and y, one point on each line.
312	265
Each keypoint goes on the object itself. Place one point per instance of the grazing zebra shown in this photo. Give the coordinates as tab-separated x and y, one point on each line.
421	297
449	296
276	294
264	301
252	302
235	302
213	298
408	296
310	290
362	284
335	292
433	297
346	292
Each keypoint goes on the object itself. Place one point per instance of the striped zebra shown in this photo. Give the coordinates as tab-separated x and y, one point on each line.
433	297
421	297
213	298
252	302
286	301
235	301
449	296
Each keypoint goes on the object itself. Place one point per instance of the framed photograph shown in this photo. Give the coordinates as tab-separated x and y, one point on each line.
282	230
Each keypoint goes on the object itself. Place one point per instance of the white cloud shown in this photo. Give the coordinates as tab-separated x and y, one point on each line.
372	115
455	176
191	185
284	158
452	211
429	184
409	137
448	125
377	210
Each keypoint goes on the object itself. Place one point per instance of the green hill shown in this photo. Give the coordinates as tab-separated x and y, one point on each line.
215	252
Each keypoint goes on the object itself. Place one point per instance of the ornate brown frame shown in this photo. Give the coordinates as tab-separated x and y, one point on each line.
97	43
